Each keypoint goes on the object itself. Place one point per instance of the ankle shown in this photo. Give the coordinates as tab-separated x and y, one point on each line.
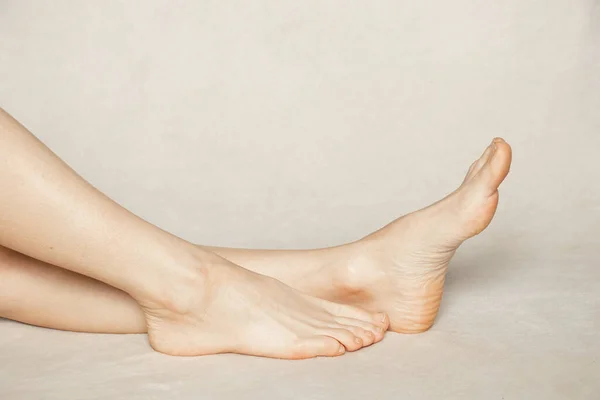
352	273
181	285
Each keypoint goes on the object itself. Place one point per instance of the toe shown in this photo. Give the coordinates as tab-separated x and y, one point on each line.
366	336
480	162
318	346
470	173
374	332
343	310
493	172
345	337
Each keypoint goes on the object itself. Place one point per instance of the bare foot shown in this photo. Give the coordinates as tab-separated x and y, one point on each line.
400	269
228	309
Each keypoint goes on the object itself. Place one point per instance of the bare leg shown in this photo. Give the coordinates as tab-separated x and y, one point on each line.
41	294
194	301
399	268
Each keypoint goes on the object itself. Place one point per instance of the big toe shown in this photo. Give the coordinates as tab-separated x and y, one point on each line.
491	174
316	346
478	195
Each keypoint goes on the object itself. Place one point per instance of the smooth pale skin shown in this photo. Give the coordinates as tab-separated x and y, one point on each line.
193	301
399	269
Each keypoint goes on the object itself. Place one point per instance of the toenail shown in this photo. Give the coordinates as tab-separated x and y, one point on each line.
341	349
382	317
358	341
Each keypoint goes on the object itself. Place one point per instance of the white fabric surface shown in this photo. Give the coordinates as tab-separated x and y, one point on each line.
303	124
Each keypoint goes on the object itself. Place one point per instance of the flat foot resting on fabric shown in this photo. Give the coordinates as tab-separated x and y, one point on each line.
398	270
193	301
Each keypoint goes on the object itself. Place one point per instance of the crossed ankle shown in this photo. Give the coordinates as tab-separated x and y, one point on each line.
347	276
180	284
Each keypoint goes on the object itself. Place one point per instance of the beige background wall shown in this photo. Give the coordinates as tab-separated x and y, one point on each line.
293	124
309	123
